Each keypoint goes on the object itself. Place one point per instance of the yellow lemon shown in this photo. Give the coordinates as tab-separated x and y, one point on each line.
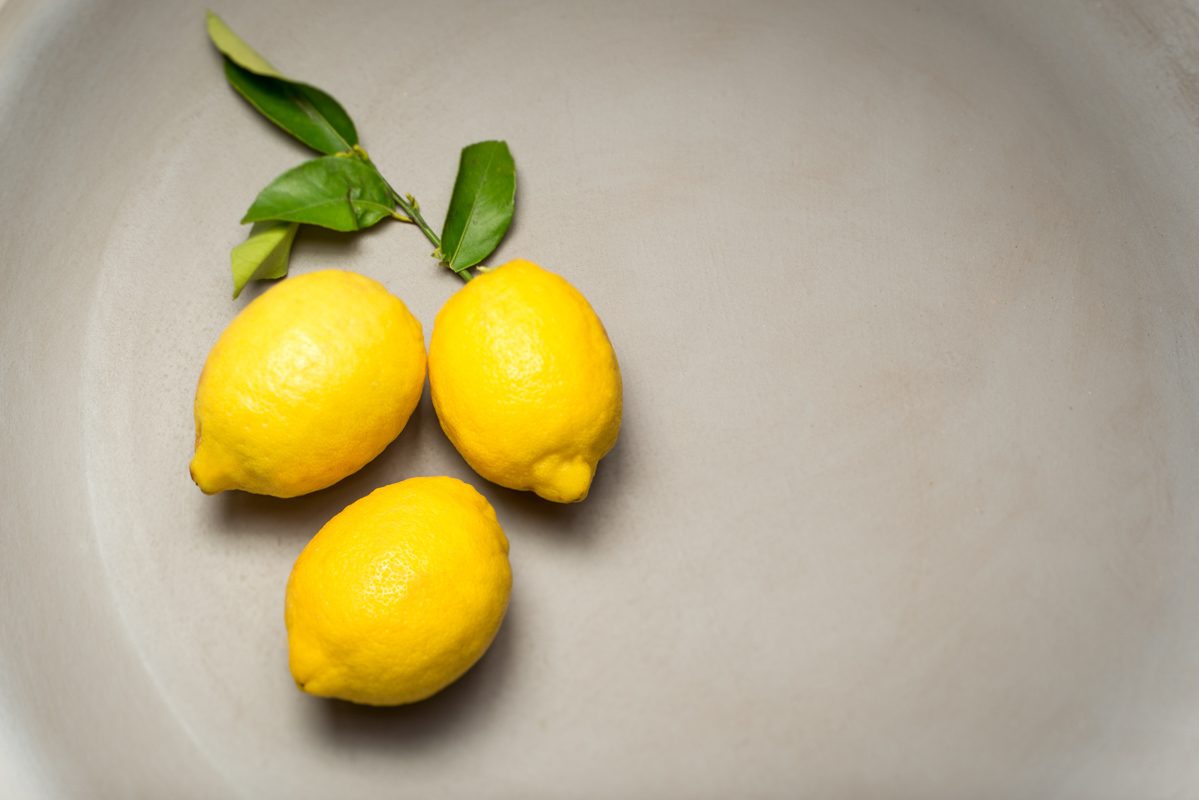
525	381
399	594
307	384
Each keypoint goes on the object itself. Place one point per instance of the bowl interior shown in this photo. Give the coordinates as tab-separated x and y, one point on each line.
905	302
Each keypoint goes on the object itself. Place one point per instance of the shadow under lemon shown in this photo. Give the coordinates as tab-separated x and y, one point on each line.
242	513
574	525
440	718
429	723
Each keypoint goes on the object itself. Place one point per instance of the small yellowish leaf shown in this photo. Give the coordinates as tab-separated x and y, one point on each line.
236	48
264	255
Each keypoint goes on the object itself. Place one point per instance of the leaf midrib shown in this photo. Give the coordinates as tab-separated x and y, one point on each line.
294	92
353	202
474	204
311	112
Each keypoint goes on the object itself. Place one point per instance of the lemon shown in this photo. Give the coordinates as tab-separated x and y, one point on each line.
399	594
525	381
307	384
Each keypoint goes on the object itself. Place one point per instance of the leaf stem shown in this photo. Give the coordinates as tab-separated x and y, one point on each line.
411	214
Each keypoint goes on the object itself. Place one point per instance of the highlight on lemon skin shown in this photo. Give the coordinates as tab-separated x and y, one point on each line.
398	595
308	384
525	381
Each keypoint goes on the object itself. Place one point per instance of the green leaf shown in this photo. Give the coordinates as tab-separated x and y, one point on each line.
304	111
336	192
481	206
307	113
264	255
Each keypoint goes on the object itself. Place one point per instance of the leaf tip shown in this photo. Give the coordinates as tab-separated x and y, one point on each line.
212	23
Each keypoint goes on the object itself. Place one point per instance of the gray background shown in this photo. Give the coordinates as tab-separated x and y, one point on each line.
905	302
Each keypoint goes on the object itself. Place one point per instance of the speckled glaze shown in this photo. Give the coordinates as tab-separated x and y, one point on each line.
904	500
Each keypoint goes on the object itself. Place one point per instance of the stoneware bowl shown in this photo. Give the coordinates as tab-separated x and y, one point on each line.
906	300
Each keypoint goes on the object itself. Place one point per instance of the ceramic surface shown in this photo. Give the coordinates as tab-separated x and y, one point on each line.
905	298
